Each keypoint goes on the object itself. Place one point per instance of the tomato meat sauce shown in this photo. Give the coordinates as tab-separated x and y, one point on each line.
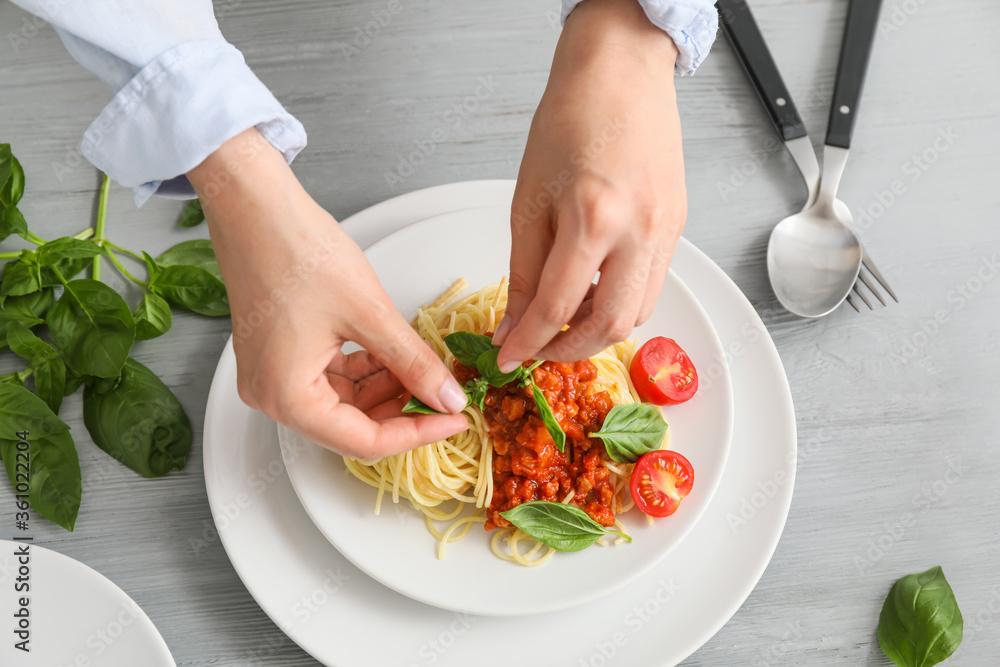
527	465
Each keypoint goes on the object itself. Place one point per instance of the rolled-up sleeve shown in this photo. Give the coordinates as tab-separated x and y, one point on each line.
180	90
692	24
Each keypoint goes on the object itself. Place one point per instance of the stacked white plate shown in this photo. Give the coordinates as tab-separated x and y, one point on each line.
354	589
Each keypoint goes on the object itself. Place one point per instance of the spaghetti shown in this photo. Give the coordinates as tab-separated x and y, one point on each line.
464	468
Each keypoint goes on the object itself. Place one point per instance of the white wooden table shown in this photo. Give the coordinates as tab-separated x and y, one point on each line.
886	401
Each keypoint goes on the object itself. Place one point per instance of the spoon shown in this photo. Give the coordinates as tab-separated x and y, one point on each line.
814	257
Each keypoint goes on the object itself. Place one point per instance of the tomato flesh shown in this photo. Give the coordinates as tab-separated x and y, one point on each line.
660	481
663	373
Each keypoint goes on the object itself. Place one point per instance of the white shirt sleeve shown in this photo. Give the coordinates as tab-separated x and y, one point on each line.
180	90
692	24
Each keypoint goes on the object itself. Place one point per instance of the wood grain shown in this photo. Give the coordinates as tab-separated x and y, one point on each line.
884	400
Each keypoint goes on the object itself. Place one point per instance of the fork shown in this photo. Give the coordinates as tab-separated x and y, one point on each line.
868	265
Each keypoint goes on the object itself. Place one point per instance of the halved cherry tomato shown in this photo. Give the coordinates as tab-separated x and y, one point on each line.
662	372
660	480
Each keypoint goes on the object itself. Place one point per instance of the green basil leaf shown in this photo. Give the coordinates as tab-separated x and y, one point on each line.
73	382
560	526
139	422
27	310
187	286
66	247
197	252
152	317
467	346
193	215
11	177
920	624
487	366
416	405
55	484
94	328
20	276
631	430
549	419
69	268
20	410
49	372
151	265
11	222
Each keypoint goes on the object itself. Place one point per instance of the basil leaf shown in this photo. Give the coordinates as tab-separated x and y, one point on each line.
73	382
476	389
487	366
560	526
416	405
192	215
66	247
139	422
20	276
549	419
68	268
152	317
11	222
49	372
467	346
11	177
55	485
20	410
187	286
151	265
920	624
629	431
94	327
197	252
55	481
27	310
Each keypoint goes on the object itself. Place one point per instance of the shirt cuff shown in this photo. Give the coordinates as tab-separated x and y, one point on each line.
692	24
177	111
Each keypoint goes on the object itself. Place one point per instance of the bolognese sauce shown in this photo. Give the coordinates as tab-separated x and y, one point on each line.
527	465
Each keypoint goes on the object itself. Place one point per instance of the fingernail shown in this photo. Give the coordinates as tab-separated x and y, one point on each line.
452	396
500	335
508	366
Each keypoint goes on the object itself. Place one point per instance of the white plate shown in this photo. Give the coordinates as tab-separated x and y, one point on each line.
346	619
76	615
416	265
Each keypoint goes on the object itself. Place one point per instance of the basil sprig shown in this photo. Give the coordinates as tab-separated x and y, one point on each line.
85	338
477	351
629	431
560	526
920	624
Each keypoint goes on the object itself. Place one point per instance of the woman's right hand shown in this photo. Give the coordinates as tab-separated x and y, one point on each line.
299	288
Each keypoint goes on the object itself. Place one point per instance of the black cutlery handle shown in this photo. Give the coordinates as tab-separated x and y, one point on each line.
752	51
855	50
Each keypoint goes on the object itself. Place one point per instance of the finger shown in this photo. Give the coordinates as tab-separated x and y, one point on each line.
367	392
566	277
355	365
350	432
659	265
390	339
615	306
530	242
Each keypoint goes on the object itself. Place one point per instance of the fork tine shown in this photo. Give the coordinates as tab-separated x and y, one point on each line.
863	297
862	278
872	269
853	305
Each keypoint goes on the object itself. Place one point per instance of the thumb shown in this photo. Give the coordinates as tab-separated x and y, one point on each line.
398	347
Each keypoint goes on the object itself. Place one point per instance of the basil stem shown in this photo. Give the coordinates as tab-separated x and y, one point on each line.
560	526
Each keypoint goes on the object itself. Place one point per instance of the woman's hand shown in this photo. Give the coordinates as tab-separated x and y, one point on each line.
299	288
601	187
